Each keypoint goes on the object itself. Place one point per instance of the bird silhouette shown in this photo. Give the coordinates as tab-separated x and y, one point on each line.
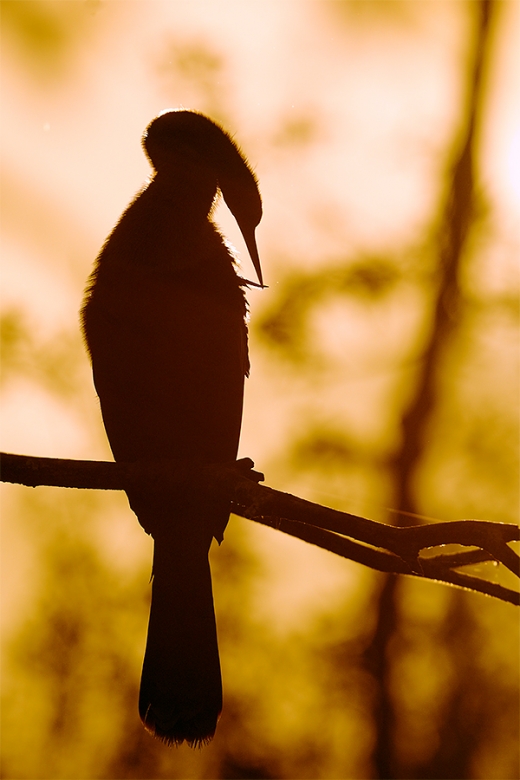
164	320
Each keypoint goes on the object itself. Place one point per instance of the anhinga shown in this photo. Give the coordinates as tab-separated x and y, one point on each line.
164	320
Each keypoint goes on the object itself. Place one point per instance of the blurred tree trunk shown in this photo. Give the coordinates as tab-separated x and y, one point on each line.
455	748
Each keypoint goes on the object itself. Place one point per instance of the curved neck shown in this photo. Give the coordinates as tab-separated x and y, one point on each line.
189	188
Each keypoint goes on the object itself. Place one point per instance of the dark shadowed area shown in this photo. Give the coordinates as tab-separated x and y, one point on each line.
384	379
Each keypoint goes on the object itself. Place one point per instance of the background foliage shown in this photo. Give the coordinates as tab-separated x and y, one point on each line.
354	115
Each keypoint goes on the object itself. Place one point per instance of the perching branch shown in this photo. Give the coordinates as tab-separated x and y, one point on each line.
392	549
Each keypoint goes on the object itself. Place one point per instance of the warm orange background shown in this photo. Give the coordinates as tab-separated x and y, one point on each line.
349	112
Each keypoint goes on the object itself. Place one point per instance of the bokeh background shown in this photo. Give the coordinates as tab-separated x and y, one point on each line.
385	136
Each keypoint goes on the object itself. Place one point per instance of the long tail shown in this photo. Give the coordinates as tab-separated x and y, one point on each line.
181	685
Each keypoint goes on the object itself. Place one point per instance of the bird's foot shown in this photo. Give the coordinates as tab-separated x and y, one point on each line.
245	467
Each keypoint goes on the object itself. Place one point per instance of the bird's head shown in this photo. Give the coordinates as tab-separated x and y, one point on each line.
179	135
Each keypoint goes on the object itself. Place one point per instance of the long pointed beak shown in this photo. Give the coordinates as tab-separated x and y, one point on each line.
249	238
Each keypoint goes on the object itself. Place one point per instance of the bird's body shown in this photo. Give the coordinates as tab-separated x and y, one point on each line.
165	324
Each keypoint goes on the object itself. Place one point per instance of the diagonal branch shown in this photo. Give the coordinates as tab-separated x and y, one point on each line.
392	549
